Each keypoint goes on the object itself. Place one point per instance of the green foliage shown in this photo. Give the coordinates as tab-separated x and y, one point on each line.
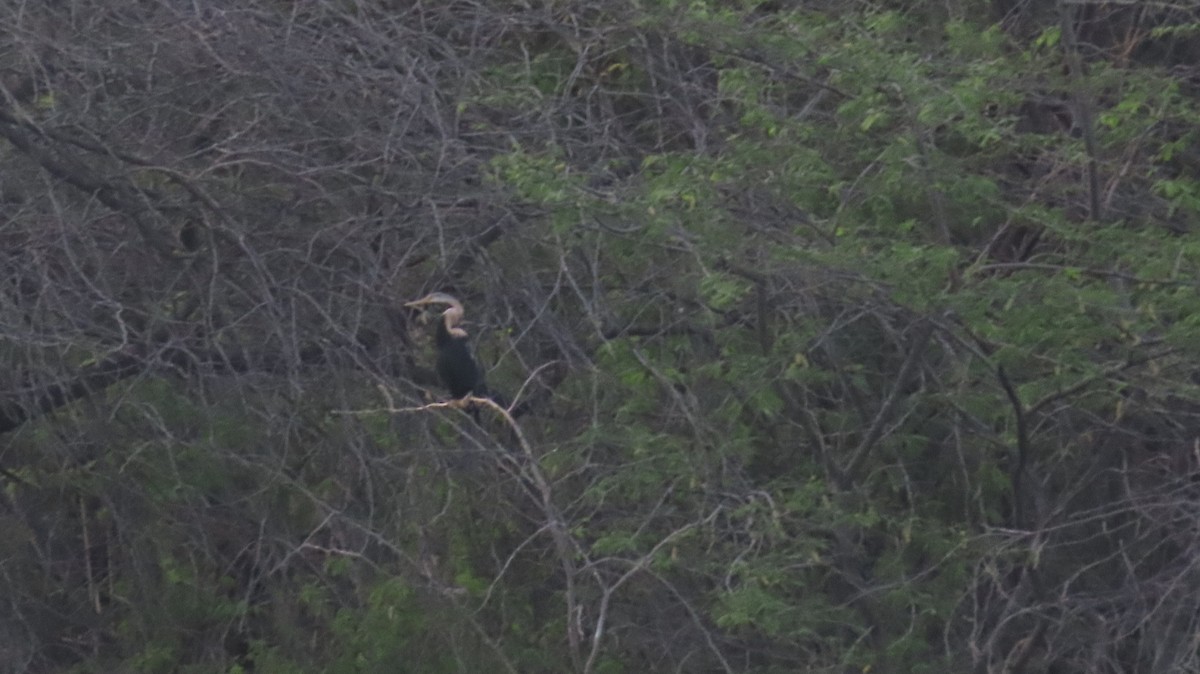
724	228
382	637
540	178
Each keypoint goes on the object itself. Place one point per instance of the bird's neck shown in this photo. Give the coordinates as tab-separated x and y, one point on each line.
449	333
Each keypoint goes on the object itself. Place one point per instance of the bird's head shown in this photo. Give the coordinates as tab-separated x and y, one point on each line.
452	315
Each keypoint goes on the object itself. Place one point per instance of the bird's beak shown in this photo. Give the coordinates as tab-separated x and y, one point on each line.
419	305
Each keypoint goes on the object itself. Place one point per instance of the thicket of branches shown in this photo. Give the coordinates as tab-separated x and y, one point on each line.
840	336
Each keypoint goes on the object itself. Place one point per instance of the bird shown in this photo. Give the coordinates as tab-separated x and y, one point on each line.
456	367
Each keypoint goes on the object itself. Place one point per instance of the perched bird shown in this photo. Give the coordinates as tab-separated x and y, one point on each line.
455	365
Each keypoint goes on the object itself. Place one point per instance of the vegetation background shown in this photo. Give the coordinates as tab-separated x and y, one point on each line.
846	336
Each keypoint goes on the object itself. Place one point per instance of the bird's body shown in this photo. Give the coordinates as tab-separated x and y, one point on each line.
456	367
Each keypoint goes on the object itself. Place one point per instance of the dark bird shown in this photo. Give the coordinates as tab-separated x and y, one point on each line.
455	365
